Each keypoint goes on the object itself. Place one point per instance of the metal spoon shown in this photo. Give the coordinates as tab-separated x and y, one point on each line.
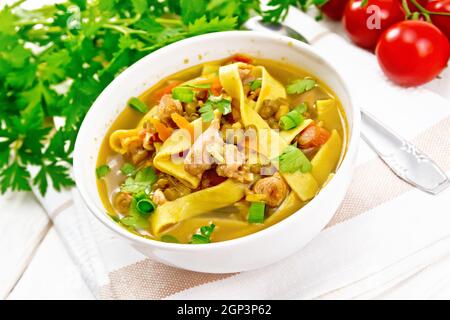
401	156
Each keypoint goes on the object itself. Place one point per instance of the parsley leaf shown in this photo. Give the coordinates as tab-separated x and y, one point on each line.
128	169
300	86
302	107
146	175
191	10
278	9
292	159
78	49
59	176
169	238
202	25
15	178
255	84
213	103
142	182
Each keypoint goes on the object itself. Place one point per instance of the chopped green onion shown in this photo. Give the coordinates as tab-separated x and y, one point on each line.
145	206
207	230
137	104
183	94
296	116
256	84
199	86
199	239
169	238
204	236
291	120
102	171
128	169
287	123
256	212
302	107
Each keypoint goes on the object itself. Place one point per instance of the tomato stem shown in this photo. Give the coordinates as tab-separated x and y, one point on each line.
406	8
307	4
426	12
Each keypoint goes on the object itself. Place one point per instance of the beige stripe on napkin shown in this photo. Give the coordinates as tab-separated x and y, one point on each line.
148	279
373	184
369	190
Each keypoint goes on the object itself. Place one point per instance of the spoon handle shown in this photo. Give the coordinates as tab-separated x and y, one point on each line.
402	157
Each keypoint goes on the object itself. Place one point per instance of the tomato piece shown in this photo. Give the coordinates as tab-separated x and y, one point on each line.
440	21
412	52
166	90
239	57
210	178
216	87
364	25
313	136
334	9
155	138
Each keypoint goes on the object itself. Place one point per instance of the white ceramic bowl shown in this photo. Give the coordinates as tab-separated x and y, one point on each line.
249	252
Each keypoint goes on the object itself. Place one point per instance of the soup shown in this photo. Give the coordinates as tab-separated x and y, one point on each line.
220	151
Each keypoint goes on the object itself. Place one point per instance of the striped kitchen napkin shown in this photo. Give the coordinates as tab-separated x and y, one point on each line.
384	233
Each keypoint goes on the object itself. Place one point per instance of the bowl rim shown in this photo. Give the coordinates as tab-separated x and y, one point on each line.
103	217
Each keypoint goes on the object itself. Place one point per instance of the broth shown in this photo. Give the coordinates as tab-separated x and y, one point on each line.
321	139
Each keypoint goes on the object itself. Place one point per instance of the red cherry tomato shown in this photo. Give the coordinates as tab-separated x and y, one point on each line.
334	9
238	57
442	22
365	24
412	52
412	7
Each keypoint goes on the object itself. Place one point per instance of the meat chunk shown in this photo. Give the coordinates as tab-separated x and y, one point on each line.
136	152
233	166
148	140
205	150
244	73
158	197
167	105
235	110
274	188
122	201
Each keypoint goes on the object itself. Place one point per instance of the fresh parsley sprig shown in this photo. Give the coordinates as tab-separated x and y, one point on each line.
142	182
78	47
214	103
55	61
278	9
301	85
